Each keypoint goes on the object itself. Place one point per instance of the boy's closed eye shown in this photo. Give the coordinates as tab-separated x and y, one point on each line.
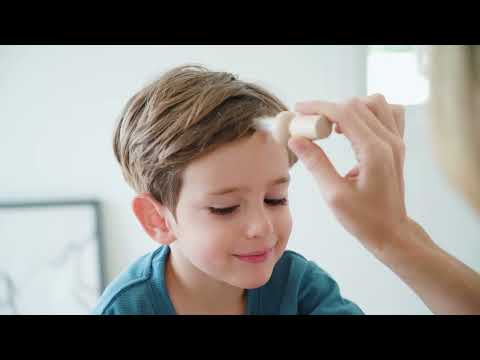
231	209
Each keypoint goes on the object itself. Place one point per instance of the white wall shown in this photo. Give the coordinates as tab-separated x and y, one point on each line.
58	106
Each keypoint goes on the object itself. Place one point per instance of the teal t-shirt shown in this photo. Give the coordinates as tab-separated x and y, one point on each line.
297	287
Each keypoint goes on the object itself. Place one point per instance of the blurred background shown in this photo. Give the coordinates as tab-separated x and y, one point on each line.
65	210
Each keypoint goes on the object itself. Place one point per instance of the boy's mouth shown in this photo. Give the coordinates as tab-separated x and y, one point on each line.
255	256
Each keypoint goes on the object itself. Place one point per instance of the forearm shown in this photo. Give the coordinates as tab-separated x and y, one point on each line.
445	284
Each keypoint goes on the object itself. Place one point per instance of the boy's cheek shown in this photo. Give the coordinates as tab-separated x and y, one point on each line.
285	223
212	234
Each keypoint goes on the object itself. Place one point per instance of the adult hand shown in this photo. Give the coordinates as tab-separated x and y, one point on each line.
370	200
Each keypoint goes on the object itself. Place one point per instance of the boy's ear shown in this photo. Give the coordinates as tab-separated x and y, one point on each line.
153	217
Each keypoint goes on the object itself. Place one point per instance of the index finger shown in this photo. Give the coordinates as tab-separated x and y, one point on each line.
352	126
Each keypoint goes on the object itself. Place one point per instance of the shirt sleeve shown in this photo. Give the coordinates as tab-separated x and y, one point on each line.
133	300
320	295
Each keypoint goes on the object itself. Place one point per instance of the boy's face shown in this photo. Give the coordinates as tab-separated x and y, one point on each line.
233	203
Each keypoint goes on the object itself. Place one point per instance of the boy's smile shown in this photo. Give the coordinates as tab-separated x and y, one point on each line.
256	256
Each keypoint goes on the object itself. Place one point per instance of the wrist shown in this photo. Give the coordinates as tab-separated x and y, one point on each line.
443	283
407	245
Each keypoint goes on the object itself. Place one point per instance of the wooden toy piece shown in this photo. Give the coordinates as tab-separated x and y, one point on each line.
287	124
312	127
278	126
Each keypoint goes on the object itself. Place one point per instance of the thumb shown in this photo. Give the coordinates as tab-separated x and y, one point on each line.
316	161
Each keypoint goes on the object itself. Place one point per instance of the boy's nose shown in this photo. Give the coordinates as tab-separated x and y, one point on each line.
259	223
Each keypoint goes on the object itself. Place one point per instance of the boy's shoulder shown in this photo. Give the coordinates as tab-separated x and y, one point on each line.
297	268
300	286
293	256
131	292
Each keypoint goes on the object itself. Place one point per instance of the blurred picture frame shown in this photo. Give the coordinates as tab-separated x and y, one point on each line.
51	257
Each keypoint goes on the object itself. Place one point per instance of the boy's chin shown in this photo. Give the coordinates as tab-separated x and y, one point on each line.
254	282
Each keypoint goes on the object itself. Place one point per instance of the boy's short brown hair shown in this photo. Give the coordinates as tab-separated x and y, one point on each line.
186	113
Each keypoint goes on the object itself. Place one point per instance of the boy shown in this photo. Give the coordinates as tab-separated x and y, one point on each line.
212	191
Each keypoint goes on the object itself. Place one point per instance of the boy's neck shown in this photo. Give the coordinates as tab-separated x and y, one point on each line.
193	292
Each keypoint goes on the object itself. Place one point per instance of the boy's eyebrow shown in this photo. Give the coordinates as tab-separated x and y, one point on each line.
281	180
